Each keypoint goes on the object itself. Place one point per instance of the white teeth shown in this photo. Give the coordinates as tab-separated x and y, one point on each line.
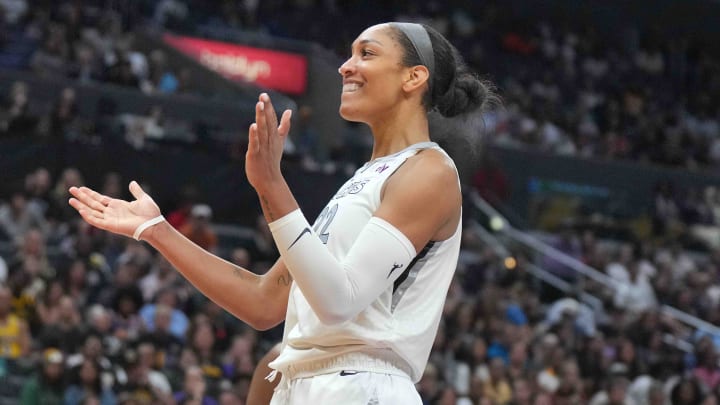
350	87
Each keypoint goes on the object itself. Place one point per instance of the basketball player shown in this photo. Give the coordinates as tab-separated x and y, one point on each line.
362	290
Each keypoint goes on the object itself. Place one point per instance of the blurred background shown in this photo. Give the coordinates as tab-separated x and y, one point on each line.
590	266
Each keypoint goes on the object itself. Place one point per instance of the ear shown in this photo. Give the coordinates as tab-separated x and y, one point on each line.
416	78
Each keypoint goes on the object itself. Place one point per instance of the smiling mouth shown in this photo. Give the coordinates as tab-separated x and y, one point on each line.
350	87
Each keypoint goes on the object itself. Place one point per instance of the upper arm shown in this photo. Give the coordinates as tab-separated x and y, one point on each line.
422	199
275	290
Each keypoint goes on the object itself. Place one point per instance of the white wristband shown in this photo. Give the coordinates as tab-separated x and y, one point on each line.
147	224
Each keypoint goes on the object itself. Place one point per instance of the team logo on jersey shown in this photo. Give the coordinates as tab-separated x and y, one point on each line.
382	168
352	188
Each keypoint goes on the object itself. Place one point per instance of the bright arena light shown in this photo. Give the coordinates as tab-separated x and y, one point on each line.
497	223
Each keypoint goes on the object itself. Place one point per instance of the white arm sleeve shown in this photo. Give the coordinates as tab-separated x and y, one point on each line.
338	291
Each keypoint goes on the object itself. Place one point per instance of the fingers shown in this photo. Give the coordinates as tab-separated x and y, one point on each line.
261	123
136	190
253	142
90	198
92	216
284	127
266	130
270	114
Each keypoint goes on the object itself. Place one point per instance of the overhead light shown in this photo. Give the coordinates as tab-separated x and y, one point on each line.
497	223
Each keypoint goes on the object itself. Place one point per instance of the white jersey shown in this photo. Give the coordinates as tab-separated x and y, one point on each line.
401	324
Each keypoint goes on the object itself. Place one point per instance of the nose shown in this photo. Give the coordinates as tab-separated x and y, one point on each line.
346	67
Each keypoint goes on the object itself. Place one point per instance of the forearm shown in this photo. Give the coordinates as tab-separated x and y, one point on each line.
234	288
338	290
276	200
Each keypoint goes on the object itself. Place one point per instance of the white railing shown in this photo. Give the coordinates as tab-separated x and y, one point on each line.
501	225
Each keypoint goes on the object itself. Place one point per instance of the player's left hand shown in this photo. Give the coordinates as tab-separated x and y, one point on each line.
266	140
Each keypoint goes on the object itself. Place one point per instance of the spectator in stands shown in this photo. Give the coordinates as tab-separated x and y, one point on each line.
491	181
232	397
194	390
15	338
263	248
46	388
143	384
202	340
121	73
615	393
707	371
226	327
31	259
635	294
69	177
68	331
187	199
198	227
579	315
86	67
148	363
686	391
13	11
76	282
168	299
18	216
64	116
306	140
497	386
38	186
52	58
238	361
522	391
162	276
17	120
86	383
168	345
666	213
47	306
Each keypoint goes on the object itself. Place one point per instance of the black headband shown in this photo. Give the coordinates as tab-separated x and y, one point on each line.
420	40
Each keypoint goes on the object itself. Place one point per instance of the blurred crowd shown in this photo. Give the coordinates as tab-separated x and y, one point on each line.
90	41
567	89
88	318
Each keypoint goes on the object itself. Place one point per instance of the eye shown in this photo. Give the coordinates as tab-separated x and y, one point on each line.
365	52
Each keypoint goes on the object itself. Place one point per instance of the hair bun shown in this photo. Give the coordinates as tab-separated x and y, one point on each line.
466	93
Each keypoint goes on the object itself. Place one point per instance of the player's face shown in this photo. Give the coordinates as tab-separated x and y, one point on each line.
372	76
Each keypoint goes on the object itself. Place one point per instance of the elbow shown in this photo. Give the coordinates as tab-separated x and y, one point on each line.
264	322
265	319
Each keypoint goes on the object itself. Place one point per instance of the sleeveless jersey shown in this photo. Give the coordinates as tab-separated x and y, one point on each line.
9	336
403	320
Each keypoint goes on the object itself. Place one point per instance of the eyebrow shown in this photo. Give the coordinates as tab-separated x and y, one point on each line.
367	41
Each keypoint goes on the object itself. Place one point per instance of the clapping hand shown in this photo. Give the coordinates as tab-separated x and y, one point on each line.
112	214
265	144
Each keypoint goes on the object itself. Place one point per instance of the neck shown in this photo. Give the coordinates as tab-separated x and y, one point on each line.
400	128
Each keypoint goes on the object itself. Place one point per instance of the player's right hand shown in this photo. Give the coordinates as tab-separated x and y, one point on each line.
112	214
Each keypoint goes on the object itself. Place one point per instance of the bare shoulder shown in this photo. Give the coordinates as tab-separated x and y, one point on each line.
422	198
429	168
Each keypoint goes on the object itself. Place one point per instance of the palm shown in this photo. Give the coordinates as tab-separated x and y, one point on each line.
266	139
112	214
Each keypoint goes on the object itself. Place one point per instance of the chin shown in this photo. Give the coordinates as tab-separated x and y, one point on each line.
349	114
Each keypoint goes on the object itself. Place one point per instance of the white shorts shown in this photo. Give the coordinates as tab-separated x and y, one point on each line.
347	388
